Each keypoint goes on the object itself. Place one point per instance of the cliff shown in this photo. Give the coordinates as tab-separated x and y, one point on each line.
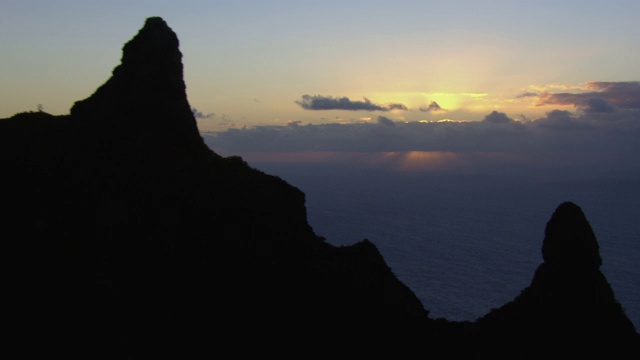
127	234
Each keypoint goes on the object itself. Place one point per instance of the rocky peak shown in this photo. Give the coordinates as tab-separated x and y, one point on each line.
569	240
146	91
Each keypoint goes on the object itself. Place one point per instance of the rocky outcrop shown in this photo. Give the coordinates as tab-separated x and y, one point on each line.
124	227
569	305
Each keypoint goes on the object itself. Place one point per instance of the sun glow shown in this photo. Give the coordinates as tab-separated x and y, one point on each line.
426	161
401	161
446	101
416	161
453	101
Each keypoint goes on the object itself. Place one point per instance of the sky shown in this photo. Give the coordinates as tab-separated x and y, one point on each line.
450	81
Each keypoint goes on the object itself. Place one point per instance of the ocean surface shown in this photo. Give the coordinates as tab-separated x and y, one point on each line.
467	244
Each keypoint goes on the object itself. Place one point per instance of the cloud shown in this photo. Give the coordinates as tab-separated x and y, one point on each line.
548	87
598	97
599	137
385	121
319	102
598	105
562	120
397	106
497	118
557	133
433	107
527	94
199	115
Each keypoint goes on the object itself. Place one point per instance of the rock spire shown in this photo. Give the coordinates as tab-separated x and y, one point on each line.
569	239
146	91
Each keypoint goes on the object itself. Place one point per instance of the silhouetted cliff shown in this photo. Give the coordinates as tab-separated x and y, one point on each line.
127	234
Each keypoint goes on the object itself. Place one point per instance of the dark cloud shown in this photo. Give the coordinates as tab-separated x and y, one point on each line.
563	120
498	132
386	121
199	115
319	102
397	106
432	107
625	95
527	94
497	118
622	95
598	105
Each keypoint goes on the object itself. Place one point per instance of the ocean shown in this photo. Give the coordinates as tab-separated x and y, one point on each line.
468	243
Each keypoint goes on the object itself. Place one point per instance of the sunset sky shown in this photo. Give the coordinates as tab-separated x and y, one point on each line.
302	67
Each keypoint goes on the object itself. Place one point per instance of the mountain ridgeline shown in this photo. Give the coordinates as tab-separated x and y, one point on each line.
123	226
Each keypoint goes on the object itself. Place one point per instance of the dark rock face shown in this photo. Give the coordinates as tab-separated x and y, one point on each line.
124	227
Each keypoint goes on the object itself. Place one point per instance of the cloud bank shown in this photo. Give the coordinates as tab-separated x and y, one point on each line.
602	97
319	102
601	135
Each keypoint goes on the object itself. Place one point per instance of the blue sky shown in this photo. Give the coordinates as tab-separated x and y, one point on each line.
297	67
